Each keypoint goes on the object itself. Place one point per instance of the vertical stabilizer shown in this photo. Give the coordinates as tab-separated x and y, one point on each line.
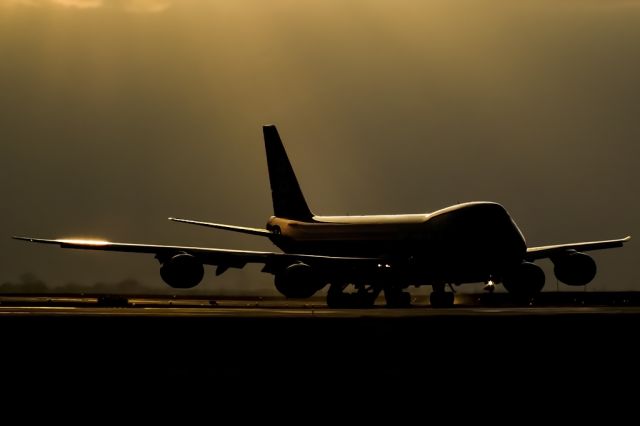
288	201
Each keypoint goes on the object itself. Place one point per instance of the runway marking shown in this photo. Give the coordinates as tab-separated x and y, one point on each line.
280	312
171	306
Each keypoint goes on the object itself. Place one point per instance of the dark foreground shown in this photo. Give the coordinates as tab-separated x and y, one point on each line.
254	341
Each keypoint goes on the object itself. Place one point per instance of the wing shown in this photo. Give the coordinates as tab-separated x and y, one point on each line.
534	253
223	258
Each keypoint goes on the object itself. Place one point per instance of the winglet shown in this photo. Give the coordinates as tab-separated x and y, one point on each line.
35	240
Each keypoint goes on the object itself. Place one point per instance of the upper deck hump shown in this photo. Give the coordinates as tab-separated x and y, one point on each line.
372	219
396	218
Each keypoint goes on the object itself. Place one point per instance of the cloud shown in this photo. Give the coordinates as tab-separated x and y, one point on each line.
133	6
146	6
80	4
605	4
18	2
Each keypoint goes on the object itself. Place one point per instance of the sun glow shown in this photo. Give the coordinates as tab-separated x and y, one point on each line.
80	4
84	242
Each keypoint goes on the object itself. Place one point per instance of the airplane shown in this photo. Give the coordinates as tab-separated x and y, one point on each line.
358	257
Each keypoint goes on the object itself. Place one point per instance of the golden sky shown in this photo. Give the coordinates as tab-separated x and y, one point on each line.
118	114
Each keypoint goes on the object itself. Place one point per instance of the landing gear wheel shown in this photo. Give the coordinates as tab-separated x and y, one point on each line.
440	299
366	295
336	297
397	299
340	300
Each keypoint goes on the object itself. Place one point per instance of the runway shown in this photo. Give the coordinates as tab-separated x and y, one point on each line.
312	312
274	307
234	340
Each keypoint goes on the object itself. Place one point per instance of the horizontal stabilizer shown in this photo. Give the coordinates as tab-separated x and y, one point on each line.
242	229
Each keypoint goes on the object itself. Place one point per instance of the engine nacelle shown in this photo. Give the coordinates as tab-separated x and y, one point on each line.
297	281
575	268
526	279
182	271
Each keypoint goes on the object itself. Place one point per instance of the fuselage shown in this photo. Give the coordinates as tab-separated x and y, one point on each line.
462	243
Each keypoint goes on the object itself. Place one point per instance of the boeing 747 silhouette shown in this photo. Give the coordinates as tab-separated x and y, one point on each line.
474	242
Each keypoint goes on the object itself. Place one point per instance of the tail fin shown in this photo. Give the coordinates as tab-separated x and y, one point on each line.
288	201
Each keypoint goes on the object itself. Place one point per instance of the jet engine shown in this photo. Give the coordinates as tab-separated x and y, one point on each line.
576	269
526	279
182	271
297	281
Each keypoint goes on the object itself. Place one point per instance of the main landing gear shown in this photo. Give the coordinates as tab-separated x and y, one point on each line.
396	298
364	297
439	298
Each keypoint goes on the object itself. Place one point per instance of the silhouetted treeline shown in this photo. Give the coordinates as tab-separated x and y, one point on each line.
29	283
